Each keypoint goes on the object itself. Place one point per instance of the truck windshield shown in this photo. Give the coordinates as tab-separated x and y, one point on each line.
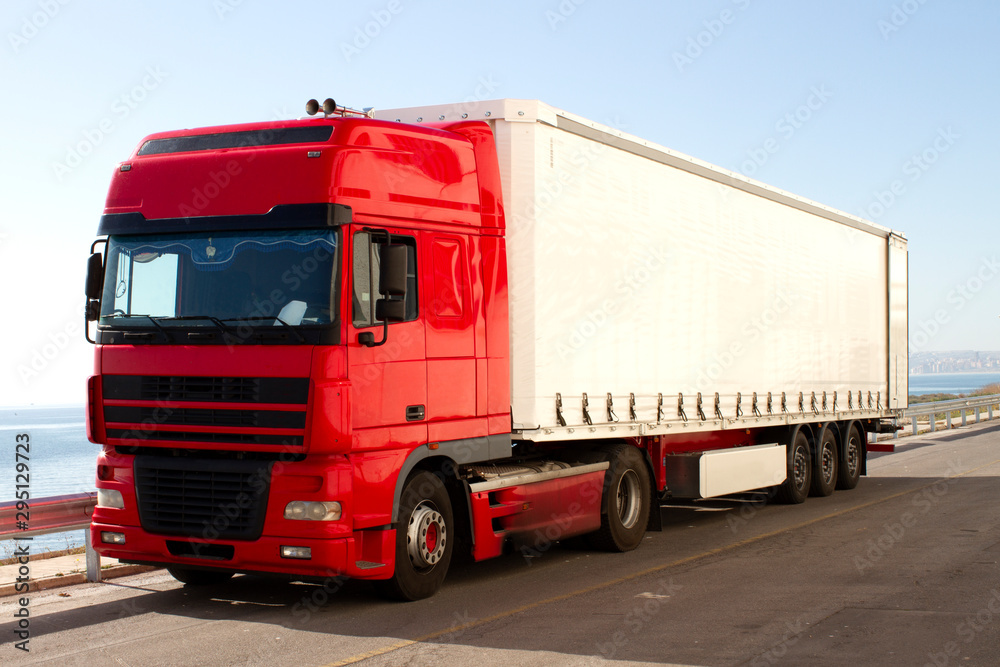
222	279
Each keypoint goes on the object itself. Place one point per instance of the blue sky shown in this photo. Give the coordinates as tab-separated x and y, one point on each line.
882	108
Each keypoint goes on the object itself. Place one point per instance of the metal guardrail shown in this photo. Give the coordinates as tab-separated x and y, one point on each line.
55	514
963	406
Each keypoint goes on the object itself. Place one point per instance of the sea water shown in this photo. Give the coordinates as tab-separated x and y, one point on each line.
60	461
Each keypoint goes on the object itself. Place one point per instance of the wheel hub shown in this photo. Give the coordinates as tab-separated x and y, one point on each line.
828	464
853	457
799	468
426	536
628	499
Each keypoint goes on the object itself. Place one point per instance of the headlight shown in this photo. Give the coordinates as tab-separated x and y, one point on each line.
110	498
307	510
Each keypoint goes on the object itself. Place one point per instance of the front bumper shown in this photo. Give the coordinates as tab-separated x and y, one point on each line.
366	554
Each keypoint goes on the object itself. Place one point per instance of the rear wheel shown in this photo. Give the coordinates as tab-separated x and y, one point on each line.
198	577
824	472
625	504
850	459
798	478
423	540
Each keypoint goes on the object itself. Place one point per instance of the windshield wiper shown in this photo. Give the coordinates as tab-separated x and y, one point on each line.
295	331
132	334
226	330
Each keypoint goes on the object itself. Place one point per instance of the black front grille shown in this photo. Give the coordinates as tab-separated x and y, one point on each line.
203	417
202	498
198	436
206	389
164	398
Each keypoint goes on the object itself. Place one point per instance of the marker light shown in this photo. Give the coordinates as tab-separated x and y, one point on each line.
302	553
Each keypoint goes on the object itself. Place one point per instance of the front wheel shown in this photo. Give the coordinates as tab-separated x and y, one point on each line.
423	540
625	504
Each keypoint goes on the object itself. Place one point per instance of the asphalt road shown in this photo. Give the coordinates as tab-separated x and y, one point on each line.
902	570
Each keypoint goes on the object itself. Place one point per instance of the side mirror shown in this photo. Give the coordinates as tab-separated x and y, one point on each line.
386	310
390	311
95	276
392	271
92	290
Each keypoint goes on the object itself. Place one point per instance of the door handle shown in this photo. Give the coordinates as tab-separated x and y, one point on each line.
414	413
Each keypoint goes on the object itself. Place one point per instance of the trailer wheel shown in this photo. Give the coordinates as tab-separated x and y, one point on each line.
824	472
625	503
850	459
423	540
192	577
795	488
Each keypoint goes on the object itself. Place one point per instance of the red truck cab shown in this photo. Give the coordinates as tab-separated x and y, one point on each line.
262	396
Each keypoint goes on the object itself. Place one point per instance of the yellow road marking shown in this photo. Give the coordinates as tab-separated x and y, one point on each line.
635	575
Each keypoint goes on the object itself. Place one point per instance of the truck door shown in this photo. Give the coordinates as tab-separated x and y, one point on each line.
451	343
388	381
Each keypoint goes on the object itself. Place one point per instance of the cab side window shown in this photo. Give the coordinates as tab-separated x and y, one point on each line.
366	249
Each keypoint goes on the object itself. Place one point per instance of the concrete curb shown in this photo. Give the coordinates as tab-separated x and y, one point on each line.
36	585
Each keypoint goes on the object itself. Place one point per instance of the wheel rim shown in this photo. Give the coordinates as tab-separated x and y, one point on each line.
829	464
853	456
426	536
799	467
628	501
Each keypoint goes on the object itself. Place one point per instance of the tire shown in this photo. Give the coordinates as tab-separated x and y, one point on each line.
625	503
795	488
851	454
424	540
199	577
825	464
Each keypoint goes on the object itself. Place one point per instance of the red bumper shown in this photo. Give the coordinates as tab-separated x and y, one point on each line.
365	555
